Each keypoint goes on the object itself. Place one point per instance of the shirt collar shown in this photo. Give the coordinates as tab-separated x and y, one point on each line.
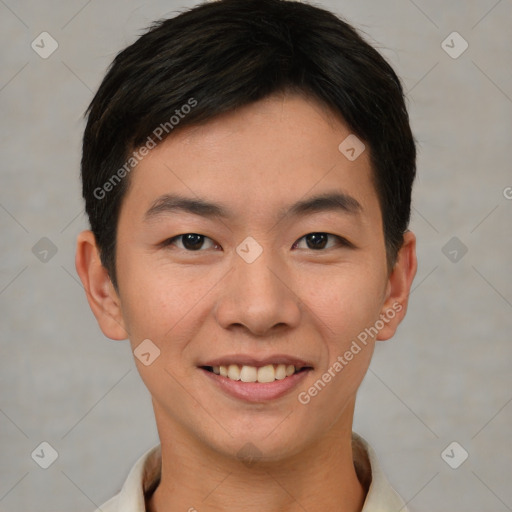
145	475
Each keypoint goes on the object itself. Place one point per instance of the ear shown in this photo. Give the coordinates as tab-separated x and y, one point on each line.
101	294
399	287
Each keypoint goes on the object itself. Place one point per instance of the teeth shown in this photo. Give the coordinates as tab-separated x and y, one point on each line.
249	374
234	372
281	371
268	373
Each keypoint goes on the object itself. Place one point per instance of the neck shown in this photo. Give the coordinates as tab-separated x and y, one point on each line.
196	478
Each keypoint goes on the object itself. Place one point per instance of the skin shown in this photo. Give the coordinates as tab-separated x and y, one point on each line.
204	304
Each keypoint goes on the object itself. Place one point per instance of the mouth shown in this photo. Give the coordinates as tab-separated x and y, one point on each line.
256	381
262	374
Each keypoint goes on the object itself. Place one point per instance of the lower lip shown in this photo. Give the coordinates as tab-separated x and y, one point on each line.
257	391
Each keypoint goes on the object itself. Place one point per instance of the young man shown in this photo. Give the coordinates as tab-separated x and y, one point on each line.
247	171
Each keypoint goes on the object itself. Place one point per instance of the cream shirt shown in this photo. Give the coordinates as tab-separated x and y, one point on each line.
145	475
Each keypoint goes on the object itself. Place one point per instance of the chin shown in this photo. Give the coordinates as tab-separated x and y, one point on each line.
261	445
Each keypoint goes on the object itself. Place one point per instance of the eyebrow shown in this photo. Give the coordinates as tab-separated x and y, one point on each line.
327	202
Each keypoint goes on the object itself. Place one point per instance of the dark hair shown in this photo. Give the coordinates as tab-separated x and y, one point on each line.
222	55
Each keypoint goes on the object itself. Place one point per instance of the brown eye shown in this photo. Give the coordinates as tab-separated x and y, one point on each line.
191	242
318	241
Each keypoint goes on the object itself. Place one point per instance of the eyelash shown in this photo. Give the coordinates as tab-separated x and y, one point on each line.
341	241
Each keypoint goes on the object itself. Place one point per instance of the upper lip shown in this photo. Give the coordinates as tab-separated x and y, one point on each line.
248	360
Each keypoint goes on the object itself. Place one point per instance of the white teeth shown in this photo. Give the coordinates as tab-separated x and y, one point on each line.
280	371
263	374
266	374
234	372
249	374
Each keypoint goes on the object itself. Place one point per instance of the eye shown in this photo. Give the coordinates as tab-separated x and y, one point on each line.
191	242
317	241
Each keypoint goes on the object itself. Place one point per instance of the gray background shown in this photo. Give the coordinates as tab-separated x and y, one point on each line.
446	375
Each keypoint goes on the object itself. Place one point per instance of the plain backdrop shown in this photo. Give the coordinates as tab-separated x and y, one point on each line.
444	378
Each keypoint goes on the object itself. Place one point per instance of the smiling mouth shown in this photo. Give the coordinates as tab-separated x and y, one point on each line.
262	374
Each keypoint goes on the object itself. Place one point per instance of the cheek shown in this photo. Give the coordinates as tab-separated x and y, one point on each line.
150	305
344	310
346	302
164	312
163	304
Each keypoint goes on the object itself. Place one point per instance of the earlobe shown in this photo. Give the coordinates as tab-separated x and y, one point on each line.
399	287
101	295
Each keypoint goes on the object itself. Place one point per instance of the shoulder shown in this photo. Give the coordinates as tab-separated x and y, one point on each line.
143	476
381	497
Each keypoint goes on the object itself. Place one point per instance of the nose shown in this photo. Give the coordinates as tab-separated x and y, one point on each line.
258	296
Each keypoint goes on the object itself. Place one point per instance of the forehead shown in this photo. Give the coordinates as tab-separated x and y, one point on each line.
254	160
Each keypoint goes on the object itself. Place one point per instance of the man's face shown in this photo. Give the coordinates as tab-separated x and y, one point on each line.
256	287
